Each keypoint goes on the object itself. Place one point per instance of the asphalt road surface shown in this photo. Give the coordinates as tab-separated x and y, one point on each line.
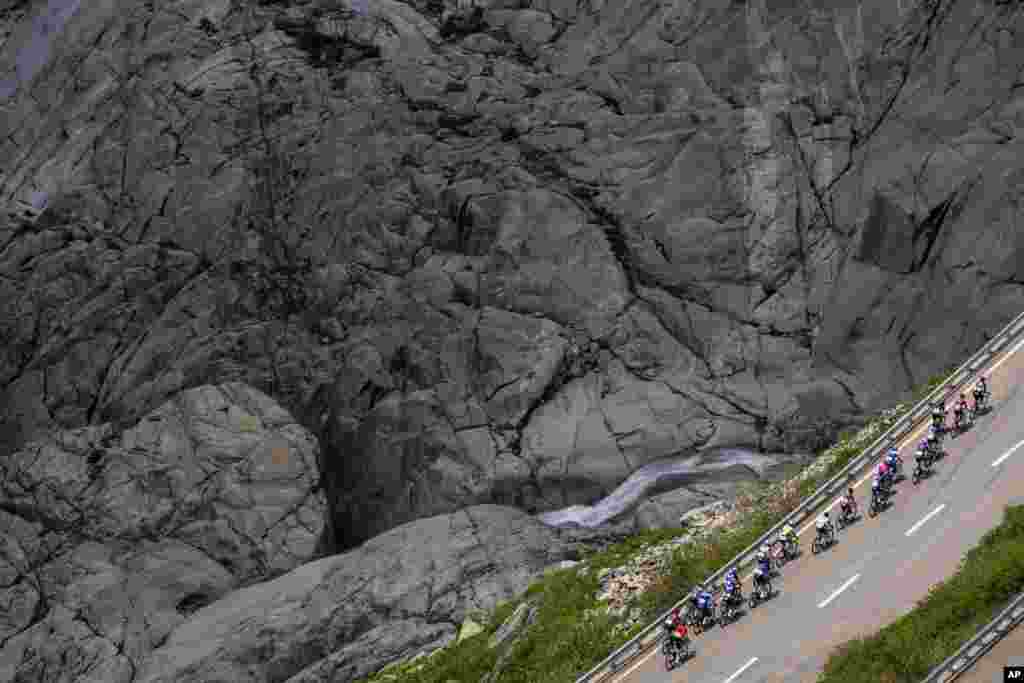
989	669
880	567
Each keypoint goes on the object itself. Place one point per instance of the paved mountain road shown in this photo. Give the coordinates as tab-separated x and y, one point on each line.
886	564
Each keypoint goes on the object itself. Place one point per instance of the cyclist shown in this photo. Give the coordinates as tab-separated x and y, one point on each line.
764	560
704	601
939	415
788	536
695	603
761	579
732	593
732	580
674	618
960	411
980	394
676	628
877	492
884	475
824	525
893	459
924	460
848	504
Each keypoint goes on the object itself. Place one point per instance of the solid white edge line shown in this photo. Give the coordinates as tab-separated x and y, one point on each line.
1006	357
849	582
641	660
743	668
924	519
999	461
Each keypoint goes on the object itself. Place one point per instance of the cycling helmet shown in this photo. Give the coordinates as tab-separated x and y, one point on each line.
893	451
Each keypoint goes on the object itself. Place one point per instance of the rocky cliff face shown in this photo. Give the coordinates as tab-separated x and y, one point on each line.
501	252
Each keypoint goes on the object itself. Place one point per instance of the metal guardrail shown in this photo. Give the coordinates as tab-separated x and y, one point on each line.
653	633
983	641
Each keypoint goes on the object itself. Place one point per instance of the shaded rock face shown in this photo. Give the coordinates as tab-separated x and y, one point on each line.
343	617
113	539
496	253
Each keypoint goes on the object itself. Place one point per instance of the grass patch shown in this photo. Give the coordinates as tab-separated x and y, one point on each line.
696	562
990	575
624	551
573	633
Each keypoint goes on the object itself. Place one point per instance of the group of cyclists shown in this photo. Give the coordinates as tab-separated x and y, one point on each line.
889	469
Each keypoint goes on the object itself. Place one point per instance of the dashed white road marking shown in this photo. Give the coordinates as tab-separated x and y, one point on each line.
849	582
743	668
925	519
642	660
999	461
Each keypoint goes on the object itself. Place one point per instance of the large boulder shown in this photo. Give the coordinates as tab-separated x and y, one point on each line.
346	616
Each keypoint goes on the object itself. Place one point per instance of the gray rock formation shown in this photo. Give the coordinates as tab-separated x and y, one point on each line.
112	539
491	253
343	617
